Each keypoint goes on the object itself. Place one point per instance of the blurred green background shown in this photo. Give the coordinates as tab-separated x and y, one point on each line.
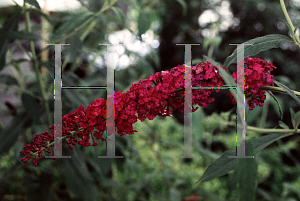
149	31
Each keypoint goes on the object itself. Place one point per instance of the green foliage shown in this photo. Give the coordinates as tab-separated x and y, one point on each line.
8	79
144	21
150	169
34	3
10	25
247	174
9	135
290	92
224	164
32	107
258	45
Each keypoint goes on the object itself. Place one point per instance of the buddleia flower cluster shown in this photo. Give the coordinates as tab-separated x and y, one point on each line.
147	99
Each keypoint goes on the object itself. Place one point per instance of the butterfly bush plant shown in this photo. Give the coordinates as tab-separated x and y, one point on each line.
164	92
150	98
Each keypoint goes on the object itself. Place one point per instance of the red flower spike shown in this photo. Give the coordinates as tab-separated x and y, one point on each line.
256	75
150	98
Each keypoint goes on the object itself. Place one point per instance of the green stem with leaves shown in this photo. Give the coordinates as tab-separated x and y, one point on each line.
266	130
295	36
36	68
278	89
104	8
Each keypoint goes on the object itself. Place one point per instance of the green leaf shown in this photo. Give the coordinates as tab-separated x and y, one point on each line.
74	49
288	25
40	13
31	106
217	41
290	92
9	135
108	3
293	117
120	15
77	177
73	96
295	30
8	79
297	119
71	23
247	174
3	49
10	25
175	195
229	81
144	22
259	44
196	61
272	103
262	142
33	3
283	125
226	77
206	42
223	164
23	35
184	6
219	167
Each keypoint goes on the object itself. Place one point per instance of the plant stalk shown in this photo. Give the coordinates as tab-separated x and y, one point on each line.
36	69
266	130
296	38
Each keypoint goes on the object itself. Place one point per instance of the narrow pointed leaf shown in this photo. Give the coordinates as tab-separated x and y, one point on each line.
288	25
279	107
223	164
296	29
144	22
31	106
259	44
9	135
11	24
293	117
120	15
297	119
290	92
23	35
283	125
8	79
247	174
184	6
33	3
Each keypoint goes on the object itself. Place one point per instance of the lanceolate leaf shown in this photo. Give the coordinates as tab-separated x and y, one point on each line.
144	22
259	44
77	176
223	164
247	175
288	25
120	15
226	77
34	3
293	117
296	29
297	119
290	92
184	6
22	35
71	23
283	125
9	135
10	25
8	79
31	106
279	107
